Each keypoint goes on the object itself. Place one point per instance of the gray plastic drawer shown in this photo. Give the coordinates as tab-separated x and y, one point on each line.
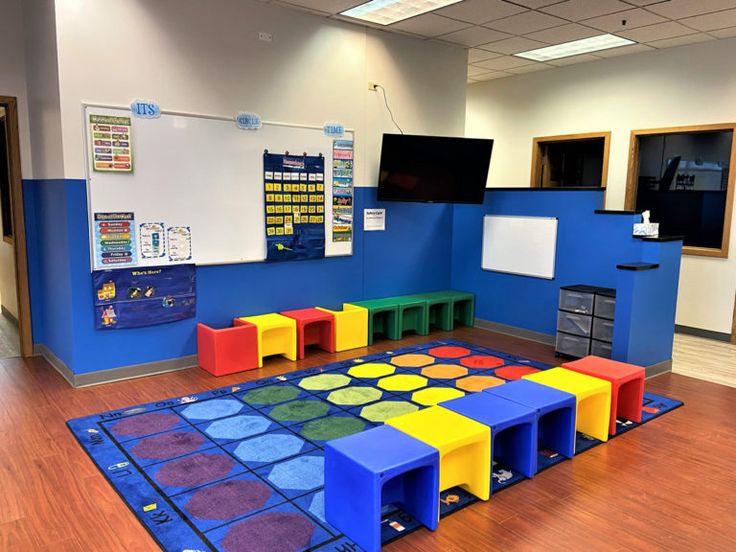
603	329
576	301
578	324
600	348
605	306
572	345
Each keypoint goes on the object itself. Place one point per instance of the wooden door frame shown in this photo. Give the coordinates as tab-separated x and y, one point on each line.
19	229
536	153
633	174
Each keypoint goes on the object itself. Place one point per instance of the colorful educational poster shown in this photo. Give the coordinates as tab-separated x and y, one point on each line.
114	239
179	239
152	240
294	193
342	190
111	142
137	297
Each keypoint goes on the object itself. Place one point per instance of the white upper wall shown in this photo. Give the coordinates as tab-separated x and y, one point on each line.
689	85
205	57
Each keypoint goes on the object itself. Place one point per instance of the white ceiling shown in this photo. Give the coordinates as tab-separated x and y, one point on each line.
493	30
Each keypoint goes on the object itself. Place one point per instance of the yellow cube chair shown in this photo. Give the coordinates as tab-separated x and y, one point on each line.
276	335
351	327
464	446
593	398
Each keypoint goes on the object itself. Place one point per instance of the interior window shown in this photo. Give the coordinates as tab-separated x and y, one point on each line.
570	161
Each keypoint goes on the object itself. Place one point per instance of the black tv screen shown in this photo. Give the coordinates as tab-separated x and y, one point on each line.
433	169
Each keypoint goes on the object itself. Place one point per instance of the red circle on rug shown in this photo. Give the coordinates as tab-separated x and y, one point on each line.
481	361
449	352
282	531
515	372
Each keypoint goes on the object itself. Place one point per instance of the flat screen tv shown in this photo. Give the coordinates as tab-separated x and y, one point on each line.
433	169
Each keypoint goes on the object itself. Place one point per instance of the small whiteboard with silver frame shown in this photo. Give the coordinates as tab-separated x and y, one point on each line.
525	246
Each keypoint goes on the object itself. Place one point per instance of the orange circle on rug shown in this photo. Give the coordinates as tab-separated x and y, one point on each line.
449	352
481	361
444	371
474	384
515	372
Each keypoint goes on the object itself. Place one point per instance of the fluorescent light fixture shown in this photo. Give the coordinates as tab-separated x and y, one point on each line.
385	12
576	47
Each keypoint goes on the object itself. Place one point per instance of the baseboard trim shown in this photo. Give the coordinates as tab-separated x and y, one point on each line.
514	331
9	315
658	369
114	374
708	334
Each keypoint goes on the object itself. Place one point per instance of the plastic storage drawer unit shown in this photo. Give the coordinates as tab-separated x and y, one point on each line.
600	348
578	324
603	329
572	345
605	304
578	299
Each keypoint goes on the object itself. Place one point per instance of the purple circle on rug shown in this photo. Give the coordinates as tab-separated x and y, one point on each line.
282	531
145	424
168	445
195	470
228	499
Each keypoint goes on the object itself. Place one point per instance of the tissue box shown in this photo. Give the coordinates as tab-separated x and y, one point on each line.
649	229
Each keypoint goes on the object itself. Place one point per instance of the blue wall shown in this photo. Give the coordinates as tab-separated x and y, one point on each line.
411	255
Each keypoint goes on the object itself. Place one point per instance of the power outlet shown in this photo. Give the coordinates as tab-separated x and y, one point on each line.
372	86
265	37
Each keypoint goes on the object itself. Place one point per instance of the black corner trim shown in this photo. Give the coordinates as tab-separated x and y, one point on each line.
637	266
614	212
558	189
659	238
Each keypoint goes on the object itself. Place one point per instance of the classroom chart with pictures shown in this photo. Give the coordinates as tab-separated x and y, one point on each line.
197	192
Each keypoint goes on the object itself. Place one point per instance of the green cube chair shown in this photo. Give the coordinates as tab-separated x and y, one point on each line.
383	318
439	310
412	314
460	309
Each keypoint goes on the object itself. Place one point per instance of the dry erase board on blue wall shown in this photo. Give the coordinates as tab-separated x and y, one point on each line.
525	246
195	189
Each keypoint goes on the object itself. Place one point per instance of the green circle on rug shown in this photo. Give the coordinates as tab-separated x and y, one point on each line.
385	410
324	382
334	427
299	411
273	394
354	395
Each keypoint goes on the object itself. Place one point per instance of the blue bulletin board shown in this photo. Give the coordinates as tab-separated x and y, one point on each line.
294	193
138	297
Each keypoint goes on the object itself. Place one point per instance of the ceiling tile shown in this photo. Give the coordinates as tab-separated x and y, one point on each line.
325	6
644	2
476	54
429	24
677	9
681	40
491	76
534	4
527	22
480	11
711	21
502	63
624	50
528	68
474	36
575	10
725	33
513	45
572	60
565	33
474	70
611	23
660	31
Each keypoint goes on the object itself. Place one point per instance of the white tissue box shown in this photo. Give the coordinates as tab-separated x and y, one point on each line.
649	229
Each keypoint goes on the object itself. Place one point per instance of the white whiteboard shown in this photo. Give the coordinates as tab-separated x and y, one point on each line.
520	245
205	173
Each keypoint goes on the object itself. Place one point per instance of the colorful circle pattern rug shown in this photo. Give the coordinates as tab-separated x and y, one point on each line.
241	468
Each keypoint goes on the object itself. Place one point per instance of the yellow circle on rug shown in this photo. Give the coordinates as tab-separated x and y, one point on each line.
434	395
372	370
402	382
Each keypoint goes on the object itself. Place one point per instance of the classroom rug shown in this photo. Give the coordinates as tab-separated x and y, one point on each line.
240	468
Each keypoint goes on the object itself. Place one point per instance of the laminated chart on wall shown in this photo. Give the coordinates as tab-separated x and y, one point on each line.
294	188
111	143
342	190
138	297
115	239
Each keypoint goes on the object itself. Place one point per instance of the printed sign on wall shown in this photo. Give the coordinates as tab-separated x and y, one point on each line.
342	190
114	239
153	241
111	139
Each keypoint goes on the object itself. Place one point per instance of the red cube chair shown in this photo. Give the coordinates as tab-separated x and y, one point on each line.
227	350
313	327
627	385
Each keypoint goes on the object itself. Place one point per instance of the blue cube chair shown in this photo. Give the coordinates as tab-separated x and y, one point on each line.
513	428
367	470
555	412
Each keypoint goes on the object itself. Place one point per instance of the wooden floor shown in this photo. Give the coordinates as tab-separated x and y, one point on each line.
668	485
705	359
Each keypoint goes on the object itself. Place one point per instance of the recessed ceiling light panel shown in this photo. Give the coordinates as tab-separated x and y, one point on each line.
385	12
576	47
